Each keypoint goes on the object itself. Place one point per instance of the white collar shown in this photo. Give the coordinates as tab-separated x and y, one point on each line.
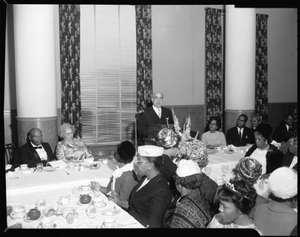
119	171
35	145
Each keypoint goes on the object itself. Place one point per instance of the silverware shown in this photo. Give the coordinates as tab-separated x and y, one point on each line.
132	223
67	173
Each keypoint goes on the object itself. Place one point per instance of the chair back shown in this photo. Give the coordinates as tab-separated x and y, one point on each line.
9	152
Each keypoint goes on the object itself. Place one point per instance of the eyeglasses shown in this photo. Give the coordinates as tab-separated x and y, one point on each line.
241	120
140	162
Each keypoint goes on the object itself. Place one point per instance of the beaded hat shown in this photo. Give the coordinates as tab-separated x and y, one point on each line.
247	169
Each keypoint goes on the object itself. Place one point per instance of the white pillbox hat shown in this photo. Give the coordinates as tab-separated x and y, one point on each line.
187	168
150	150
283	183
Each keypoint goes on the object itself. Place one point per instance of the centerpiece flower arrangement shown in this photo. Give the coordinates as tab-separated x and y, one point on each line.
188	147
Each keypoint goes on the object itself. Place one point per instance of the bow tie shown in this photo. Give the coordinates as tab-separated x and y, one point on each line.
38	147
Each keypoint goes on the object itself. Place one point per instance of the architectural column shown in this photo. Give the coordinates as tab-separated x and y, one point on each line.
240	33
34	39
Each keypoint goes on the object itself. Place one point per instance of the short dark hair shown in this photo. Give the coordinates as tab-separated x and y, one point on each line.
245	116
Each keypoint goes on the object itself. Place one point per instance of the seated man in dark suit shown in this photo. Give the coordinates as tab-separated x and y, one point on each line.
285	126
154	119
240	135
34	151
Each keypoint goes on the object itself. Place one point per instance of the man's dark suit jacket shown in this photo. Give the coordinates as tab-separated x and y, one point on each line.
232	136
26	154
149	124
149	204
279	132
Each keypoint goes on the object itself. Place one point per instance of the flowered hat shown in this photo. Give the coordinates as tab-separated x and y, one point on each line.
247	169
167	138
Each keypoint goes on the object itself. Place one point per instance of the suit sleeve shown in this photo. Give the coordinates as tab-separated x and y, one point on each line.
229	137
26	157
142	125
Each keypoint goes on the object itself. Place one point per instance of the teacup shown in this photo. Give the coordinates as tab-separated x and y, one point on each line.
46	223
64	200
220	180
18	212
109	222
85	187
24	166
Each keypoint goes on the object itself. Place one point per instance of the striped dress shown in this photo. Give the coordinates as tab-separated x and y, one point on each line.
191	212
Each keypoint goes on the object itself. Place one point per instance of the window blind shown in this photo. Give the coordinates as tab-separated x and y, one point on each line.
107	73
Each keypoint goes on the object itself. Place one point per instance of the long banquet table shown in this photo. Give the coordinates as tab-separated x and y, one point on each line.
219	158
25	188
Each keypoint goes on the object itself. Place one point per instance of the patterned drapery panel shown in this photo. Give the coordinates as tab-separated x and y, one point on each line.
261	68
214	63
144	55
69	31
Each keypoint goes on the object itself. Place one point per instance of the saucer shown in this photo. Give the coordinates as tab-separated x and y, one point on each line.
103	204
110	212
87	226
116	225
28	220
228	151
82	204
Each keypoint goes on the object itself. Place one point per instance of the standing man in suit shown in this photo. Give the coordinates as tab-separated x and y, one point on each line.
240	135
154	119
34	150
285	126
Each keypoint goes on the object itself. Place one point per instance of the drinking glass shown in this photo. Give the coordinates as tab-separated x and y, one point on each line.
39	167
224	168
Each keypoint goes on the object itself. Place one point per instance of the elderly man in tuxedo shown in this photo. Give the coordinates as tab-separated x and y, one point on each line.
34	150
154	119
240	135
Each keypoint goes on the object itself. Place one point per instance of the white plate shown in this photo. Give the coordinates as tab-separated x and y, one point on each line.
110	212
115	226
28	220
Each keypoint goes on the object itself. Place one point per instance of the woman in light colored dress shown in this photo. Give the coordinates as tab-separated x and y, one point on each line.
212	137
70	148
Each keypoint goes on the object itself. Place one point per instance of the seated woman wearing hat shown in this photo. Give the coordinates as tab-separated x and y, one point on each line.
249	170
278	217
193	211
150	198
123	178
263	151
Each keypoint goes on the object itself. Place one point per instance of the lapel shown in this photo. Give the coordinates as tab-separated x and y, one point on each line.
34	152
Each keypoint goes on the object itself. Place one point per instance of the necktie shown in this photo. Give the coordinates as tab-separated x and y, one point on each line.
38	147
240	134
159	112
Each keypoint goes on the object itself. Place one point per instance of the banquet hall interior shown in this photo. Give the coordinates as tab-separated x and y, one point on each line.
96	66
197	55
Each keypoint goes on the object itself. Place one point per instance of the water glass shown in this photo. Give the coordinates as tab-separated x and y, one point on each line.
224	168
41	204
39	167
261	185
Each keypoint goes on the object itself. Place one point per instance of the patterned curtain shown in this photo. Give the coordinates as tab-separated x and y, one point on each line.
214	63
69	29
261	68
144	55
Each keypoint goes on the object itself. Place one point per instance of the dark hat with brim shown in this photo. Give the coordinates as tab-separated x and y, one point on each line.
125	151
265	130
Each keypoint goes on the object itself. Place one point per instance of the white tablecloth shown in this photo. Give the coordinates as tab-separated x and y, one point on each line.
29	188
217	159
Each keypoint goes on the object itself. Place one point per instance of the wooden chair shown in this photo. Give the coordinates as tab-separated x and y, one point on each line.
9	152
